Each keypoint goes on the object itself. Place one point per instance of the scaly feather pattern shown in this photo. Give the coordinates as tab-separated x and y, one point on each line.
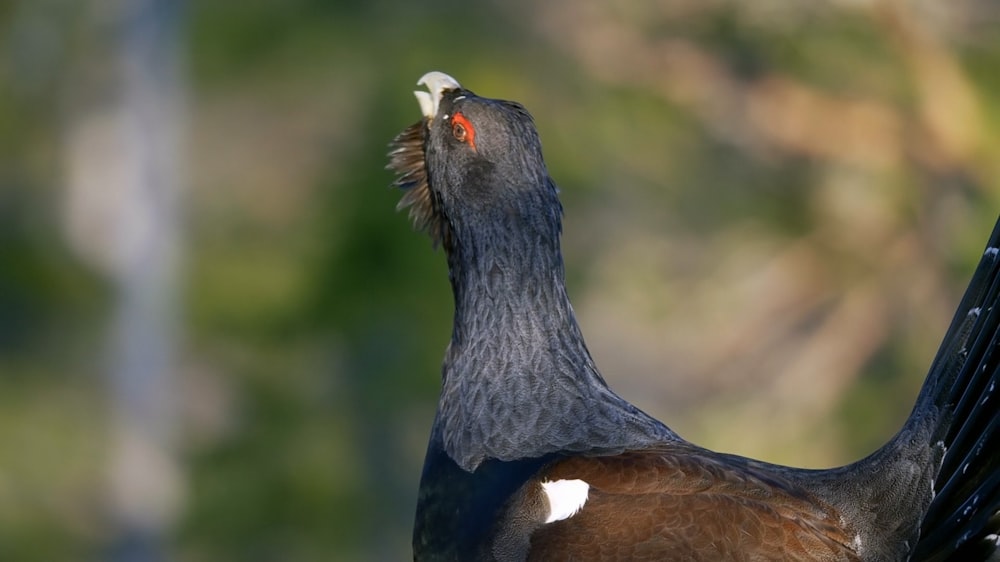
532	456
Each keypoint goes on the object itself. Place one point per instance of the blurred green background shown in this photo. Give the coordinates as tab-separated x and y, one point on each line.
771	211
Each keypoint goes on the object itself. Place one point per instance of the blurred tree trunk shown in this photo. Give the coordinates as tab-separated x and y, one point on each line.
145	470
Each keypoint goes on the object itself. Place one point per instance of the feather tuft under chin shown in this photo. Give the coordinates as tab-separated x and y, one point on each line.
406	159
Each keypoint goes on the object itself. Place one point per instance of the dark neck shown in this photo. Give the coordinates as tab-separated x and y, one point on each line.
509	288
518	379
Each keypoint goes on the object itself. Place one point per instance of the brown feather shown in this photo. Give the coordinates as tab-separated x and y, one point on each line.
406	159
672	503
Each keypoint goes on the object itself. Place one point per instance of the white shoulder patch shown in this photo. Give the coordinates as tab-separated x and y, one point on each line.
566	497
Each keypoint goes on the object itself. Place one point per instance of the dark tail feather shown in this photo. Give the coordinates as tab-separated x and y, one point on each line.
963	520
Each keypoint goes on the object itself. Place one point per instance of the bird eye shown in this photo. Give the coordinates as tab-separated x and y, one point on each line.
463	130
459	131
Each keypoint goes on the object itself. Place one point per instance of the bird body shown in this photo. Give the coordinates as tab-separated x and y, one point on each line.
533	457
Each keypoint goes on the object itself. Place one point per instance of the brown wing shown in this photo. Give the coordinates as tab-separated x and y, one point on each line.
687	504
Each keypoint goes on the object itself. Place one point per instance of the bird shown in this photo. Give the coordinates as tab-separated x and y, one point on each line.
532	456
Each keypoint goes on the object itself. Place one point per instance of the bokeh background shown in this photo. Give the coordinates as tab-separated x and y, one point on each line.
219	341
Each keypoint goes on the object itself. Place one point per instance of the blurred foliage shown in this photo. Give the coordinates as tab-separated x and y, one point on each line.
772	208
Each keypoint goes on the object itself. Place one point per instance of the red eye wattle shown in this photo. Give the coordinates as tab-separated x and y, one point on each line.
463	130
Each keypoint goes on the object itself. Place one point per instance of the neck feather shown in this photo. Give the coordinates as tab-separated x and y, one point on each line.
518	379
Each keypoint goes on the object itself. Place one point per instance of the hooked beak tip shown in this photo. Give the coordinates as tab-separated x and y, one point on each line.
437	83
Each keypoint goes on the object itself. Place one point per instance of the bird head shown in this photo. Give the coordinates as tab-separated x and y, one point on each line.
468	159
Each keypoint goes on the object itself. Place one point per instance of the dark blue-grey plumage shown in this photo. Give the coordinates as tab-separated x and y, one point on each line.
523	403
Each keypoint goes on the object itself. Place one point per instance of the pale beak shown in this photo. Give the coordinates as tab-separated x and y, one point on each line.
437	83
